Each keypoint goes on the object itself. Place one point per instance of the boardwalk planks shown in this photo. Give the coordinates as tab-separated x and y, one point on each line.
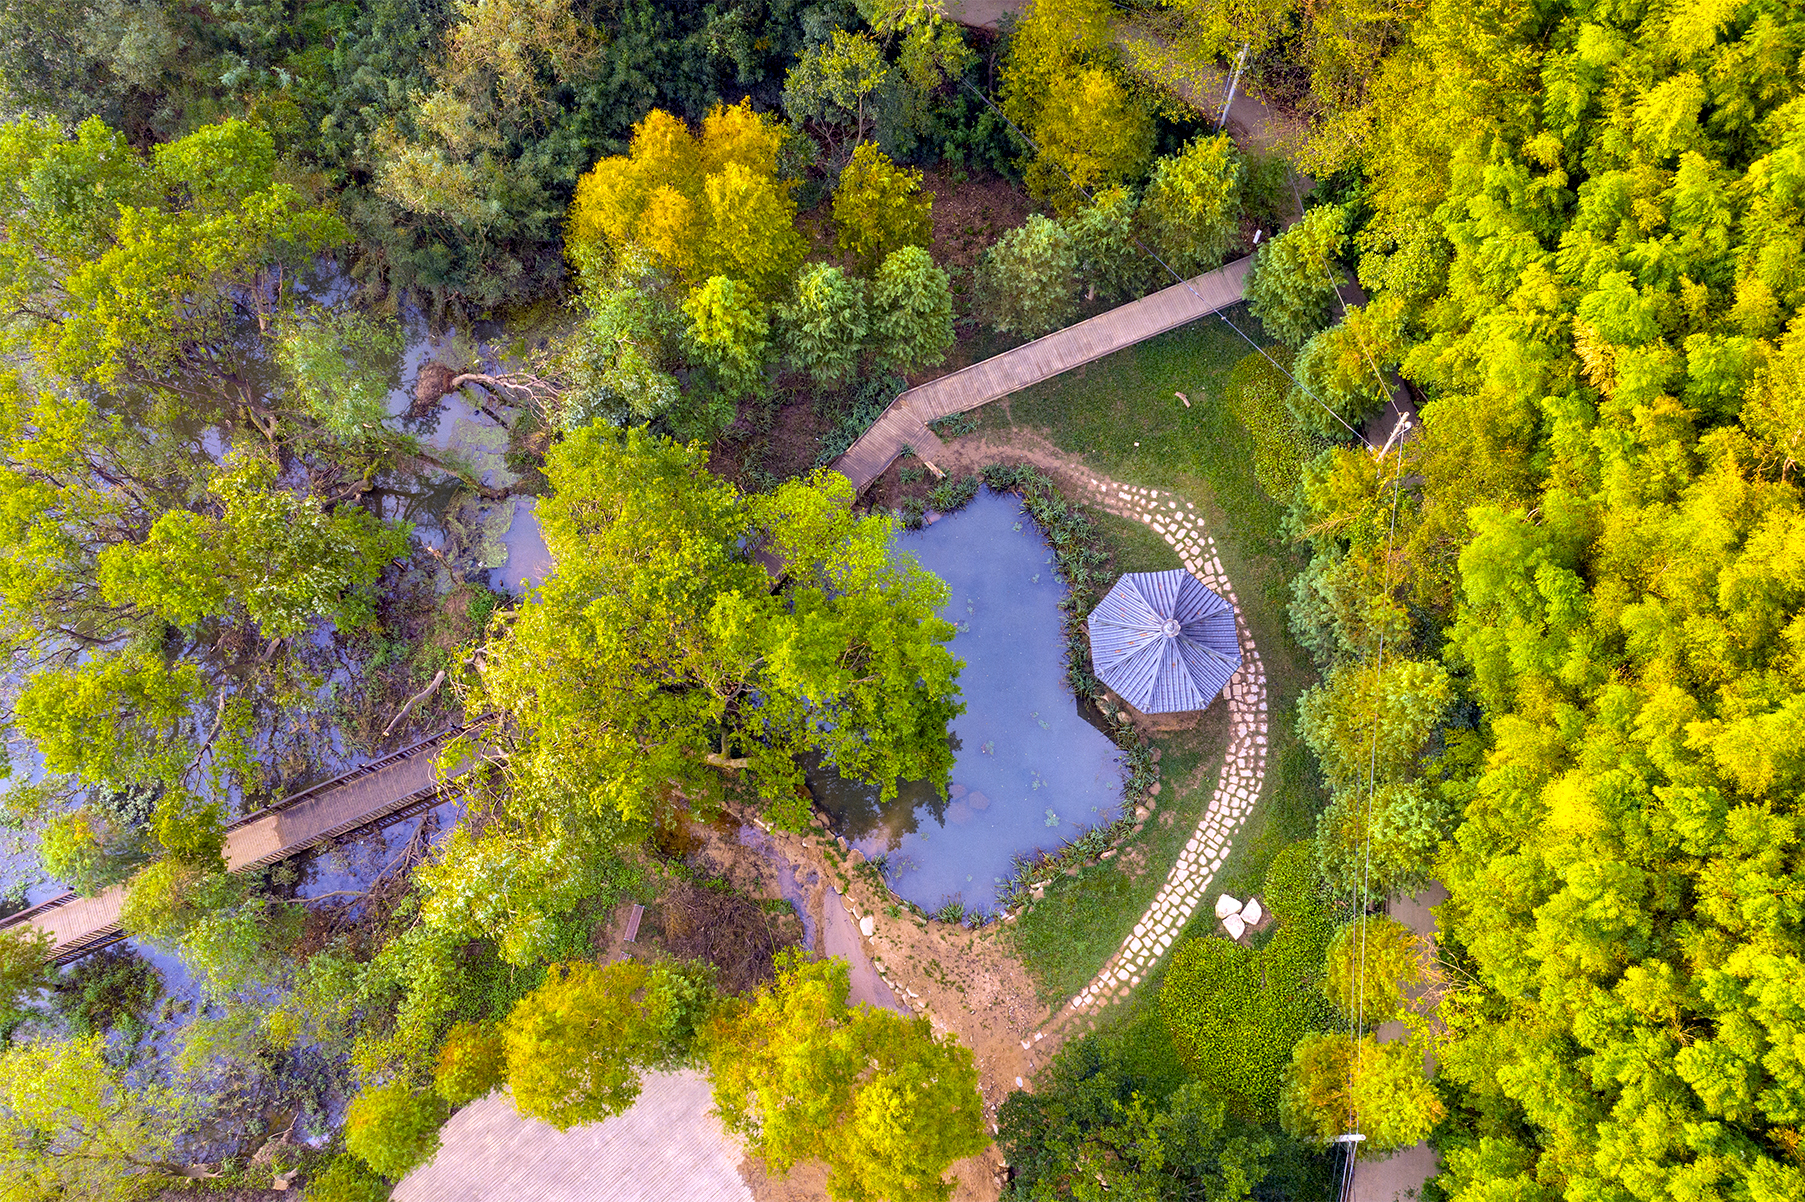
903	423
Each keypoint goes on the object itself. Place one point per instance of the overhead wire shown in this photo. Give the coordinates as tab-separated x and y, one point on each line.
1363	896
1169	269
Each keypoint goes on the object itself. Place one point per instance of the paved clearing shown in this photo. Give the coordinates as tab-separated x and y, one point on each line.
666	1147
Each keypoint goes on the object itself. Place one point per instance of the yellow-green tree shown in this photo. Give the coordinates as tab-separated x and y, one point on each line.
1063	83
689	663
1337	1085
703	206
71	1126
801	1075
879	208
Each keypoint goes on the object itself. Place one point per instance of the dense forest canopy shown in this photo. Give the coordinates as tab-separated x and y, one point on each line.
1586	222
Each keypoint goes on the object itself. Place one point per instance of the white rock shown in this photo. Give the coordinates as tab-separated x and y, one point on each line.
867	926
1234	926
1252	912
1226	905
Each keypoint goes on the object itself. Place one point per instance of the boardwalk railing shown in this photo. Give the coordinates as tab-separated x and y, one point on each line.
393	786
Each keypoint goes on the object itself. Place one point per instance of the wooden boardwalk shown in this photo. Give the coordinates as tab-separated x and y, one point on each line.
401	783
904	423
666	1147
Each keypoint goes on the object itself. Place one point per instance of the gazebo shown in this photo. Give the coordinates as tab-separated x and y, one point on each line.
1164	642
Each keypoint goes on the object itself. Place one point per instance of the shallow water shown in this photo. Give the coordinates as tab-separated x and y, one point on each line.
1031	773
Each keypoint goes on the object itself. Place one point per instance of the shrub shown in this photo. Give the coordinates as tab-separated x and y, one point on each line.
394	1127
1234	1013
1029	279
345	1179
472	1062
1282	446
953	493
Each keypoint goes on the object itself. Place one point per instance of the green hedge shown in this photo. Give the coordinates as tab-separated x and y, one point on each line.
1234	1012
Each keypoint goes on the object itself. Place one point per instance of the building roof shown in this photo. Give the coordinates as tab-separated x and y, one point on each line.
1164	642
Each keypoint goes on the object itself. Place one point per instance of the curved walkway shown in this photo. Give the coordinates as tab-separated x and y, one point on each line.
1243	765
904	423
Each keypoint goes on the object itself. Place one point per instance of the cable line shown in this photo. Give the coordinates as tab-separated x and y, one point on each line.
1148	251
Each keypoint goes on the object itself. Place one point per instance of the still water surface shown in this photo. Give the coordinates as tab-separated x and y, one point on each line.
1031	771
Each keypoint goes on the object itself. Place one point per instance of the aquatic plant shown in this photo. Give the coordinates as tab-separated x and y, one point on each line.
952	910
953	493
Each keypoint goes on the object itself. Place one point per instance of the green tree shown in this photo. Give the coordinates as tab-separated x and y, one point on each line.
618	363
126	270
654	559
1110	261
575	1044
1370	722
472	1062
1192	208
394	1128
731	334
911	311
25	968
287	560
832	81
341	364
826	326
1382	842
801	1075
71	1127
1291	283
879	208
1029	279
1335	1085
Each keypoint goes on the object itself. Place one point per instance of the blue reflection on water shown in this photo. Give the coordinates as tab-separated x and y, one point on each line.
1031	772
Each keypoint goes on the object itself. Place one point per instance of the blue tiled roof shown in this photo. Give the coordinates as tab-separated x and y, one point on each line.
1164	642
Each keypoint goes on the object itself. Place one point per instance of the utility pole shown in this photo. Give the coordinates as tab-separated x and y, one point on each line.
1233	80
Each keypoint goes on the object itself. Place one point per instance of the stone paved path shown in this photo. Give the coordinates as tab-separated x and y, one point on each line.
666	1147
1243	766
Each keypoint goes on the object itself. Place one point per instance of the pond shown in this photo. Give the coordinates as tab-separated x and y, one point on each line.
1031	772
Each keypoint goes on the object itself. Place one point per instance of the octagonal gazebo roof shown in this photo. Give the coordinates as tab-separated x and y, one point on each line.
1164	641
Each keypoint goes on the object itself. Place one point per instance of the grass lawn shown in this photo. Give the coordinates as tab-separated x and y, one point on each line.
1098	415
